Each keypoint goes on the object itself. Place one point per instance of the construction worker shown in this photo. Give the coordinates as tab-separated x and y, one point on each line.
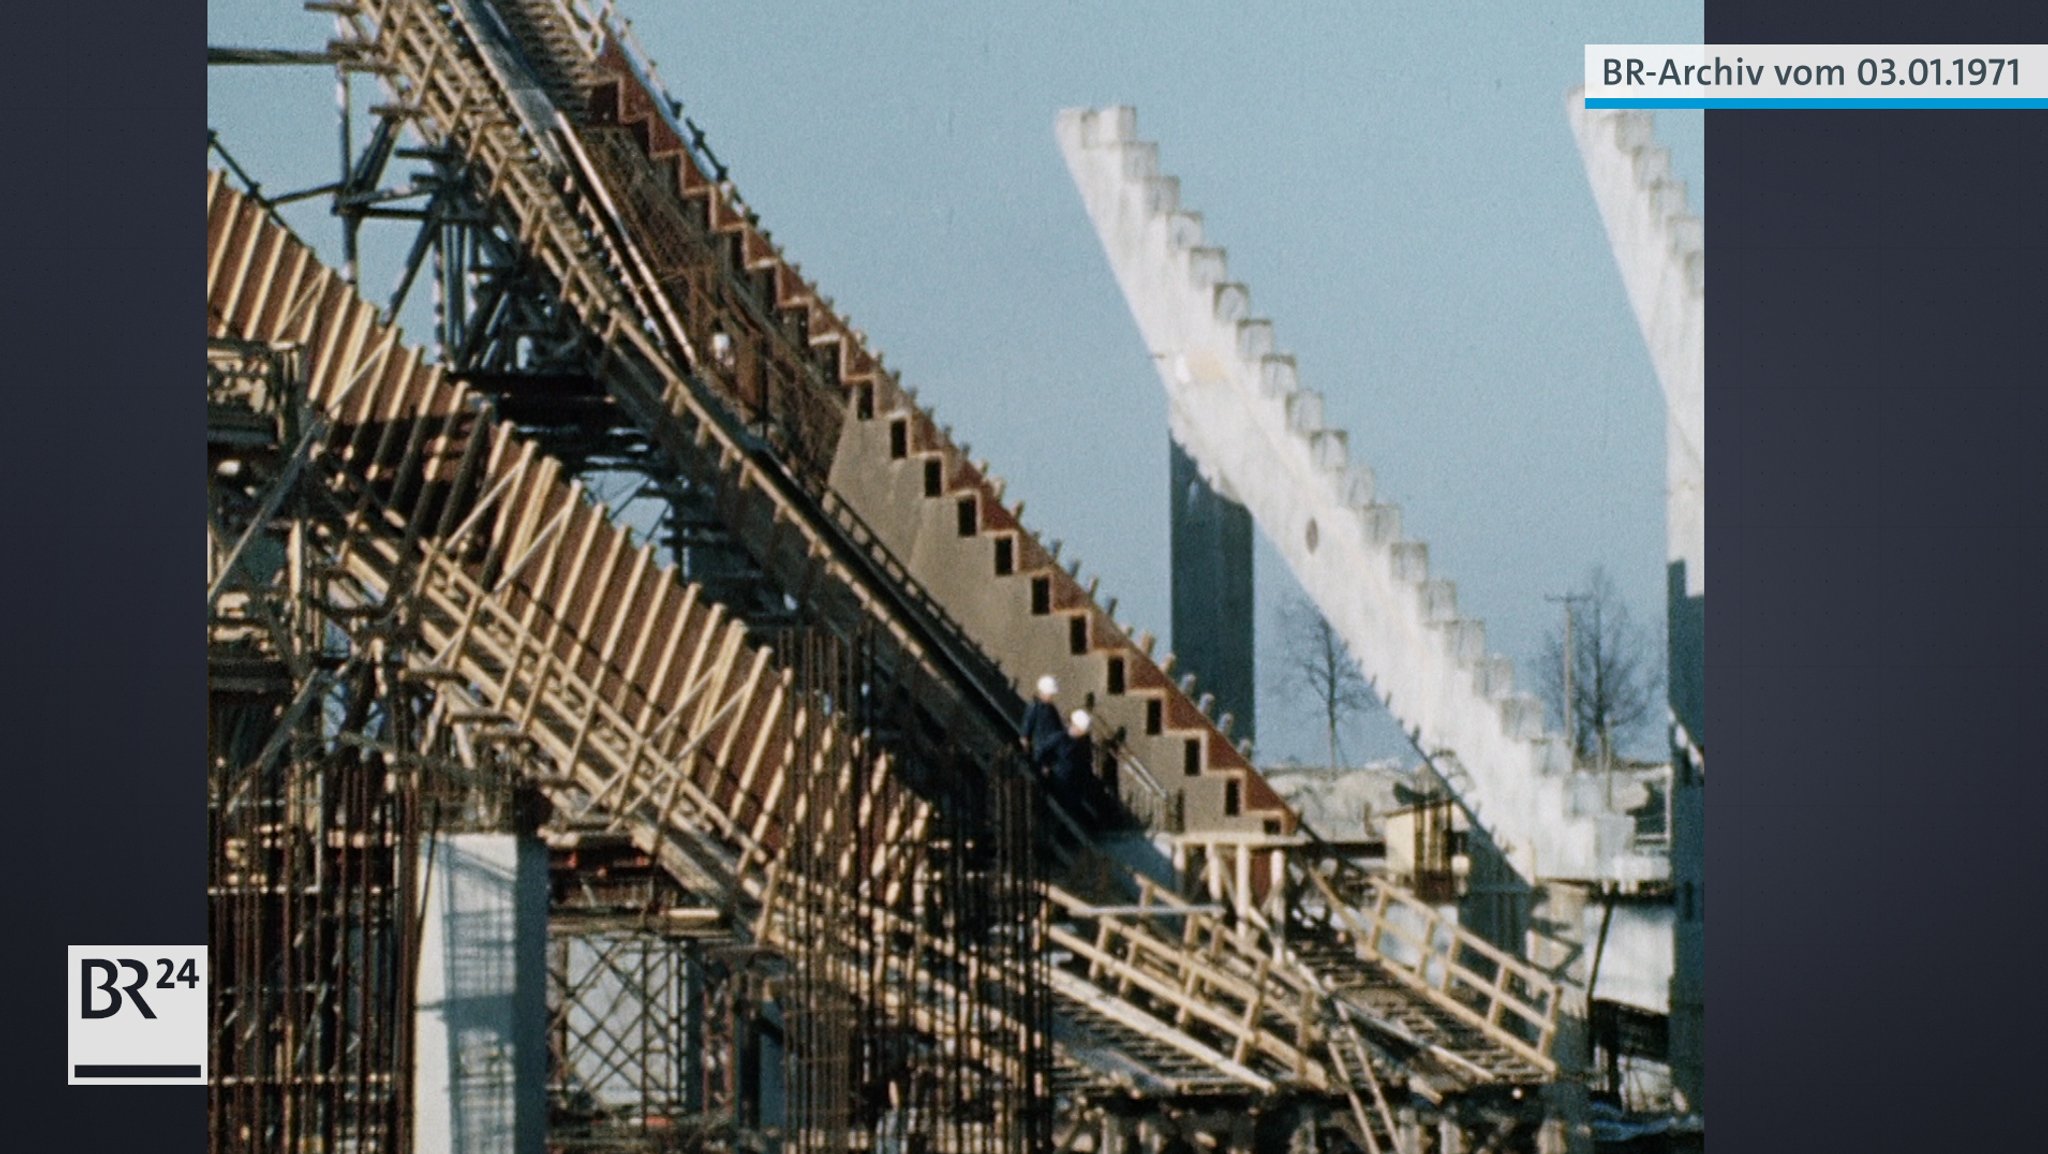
1041	725
1073	770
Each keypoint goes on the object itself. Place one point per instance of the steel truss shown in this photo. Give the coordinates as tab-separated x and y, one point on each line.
500	327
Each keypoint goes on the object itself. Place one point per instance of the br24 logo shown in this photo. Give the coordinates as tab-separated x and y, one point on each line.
109	970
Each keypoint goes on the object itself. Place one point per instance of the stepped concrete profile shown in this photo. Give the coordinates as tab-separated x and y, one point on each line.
1236	403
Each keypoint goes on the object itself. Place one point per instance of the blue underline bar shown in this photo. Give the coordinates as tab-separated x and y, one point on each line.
1815	102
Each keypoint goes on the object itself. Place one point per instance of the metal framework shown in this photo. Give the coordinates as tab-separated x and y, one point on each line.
331	767
313	822
633	987
497	587
878	854
804	897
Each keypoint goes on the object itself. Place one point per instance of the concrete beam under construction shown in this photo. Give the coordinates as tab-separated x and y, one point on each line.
1659	248
1235	401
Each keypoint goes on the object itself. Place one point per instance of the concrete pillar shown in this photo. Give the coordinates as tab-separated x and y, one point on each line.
1305	1135
1686	627
1116	1134
481	1028
1408	1130
1557	929
1211	548
1241	1134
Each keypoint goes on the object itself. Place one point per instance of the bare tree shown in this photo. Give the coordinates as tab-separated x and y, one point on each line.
1315	662
1614	676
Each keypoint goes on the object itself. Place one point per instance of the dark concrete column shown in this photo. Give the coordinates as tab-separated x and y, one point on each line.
1212	593
1686	676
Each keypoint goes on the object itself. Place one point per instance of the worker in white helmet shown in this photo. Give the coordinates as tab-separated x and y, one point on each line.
1041	734
1074	767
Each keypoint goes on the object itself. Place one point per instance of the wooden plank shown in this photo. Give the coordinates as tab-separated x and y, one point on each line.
1251	1020
224	208
1222	1023
460	480
647	730
731	644
265	263
296	310
771	798
749	694
674	626
245	240
583	599
645	588
416	464
767	735
608	619
704	655
287	277
580	537
394	402
639	761
329	360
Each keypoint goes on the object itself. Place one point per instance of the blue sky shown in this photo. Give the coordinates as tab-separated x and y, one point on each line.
1395	182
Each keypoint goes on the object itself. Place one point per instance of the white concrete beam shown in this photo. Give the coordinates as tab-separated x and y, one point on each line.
1660	248
1236	404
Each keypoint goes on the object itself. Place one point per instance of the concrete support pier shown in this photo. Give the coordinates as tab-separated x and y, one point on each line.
480	1063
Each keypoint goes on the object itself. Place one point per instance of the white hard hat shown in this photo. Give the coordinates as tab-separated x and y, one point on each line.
1047	686
1079	719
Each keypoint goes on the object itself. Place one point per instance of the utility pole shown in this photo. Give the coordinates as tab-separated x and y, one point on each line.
1571	703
